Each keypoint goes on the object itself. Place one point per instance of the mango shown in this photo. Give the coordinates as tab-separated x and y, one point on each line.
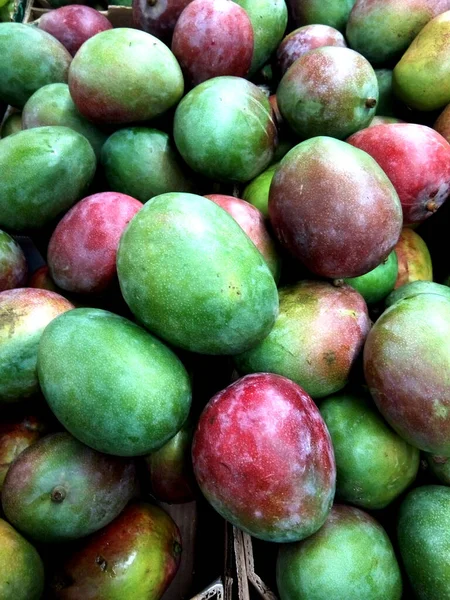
134	557
423	532
406	366
11	125
53	105
22	572
94	363
224	129
440	467
385	104
257	191
351	556
157	17
44	172
414	259
421	77
144	163
223	305
324	12
376	284
316	339
13	264
381	30
415	288
374	464
58	489
29	59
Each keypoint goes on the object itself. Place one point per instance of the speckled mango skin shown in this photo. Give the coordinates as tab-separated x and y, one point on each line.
381	30
44	172
417	161
414	288
334	209
374	464
224	129
210	291
376	284
322	74
414	259
326	12
53	105
269	20
22	572
24	314
29	59
316	339
134	557
421	77
143	163
423	533
263	458
351	556
96	488
111	384
13	264
124	75
407	369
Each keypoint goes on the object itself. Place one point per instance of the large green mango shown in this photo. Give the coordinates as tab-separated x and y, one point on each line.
44	171
112	385
192	276
29	59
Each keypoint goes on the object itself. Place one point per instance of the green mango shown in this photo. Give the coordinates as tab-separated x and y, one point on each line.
334	13
422	76
439	466
374	464
95	363
349	558
269	21
414	288
385	104
11	125
257	191
58	489
22	572
44	172
133	558
376	284
224	129
210	291
423	532
381	30
143	163
29	59
53	105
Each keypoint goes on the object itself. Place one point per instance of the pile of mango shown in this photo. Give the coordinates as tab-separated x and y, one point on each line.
245	296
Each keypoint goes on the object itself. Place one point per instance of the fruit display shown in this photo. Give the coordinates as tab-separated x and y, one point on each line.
225	299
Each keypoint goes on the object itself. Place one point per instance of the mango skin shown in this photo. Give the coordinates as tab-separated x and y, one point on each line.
143	163
257	191
414	259
376	284
316	339
29	59
351	556
224	129
374	464
223	305
423	538
11	125
421	77
381	30
94	488
22	573
414	288
124	75
406	366
92	356
53	105
385	104
134	557
440	467
44	172
13	264
334	13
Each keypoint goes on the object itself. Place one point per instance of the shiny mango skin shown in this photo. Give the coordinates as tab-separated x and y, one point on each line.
415	288
423	532
22	570
111	384
210	291
350	557
422	76
58	489
133	558
29	59
374	464
376	284
44	172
